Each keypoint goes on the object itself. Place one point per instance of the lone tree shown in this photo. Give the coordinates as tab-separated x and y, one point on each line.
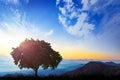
34	53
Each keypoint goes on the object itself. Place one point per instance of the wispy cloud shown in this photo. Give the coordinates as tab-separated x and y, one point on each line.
87	4
57	2
17	28
11	1
12	33
69	12
49	33
15	2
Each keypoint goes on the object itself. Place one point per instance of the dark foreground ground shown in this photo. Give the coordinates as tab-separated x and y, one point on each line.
81	77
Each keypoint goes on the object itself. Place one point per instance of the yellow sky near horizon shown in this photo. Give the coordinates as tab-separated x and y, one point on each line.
80	54
89	55
75	52
68	52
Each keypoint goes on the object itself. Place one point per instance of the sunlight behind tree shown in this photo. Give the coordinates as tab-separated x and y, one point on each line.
34	53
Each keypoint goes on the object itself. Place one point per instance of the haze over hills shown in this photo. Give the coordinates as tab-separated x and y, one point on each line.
8	67
95	67
70	67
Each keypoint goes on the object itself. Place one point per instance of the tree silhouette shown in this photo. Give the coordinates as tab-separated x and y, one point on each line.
34	53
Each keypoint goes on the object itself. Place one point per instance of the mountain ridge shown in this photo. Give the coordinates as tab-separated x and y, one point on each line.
96	67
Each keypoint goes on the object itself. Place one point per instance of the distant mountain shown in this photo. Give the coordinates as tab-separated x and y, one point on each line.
94	68
112	63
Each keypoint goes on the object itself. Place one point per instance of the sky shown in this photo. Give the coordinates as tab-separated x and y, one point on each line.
77	29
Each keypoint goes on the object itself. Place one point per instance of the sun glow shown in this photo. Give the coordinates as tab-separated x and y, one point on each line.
8	41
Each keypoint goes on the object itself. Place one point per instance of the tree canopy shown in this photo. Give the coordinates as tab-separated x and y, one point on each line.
34	53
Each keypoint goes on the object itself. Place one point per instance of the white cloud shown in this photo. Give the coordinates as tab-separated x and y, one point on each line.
81	27
57	2
85	4
49	33
63	11
62	20
69	4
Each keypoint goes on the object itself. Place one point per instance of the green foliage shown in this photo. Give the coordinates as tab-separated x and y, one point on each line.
34	53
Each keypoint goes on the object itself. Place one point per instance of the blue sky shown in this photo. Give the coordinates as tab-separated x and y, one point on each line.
69	25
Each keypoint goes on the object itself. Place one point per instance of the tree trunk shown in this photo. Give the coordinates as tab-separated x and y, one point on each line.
36	71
